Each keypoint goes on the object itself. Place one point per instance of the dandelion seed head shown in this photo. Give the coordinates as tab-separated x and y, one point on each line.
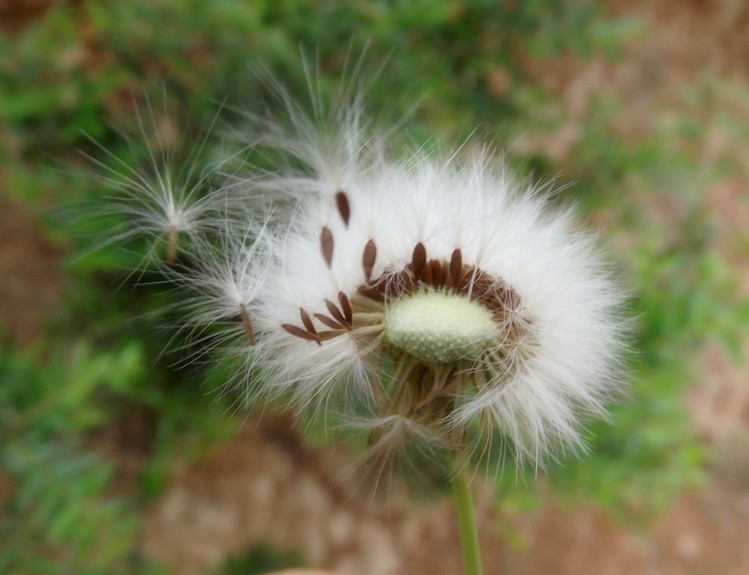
432	298
483	300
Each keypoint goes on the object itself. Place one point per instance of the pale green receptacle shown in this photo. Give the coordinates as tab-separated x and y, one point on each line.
439	327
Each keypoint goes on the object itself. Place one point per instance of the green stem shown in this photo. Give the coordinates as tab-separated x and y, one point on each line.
469	535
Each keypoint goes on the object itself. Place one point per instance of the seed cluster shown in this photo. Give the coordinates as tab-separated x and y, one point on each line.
420	376
420	273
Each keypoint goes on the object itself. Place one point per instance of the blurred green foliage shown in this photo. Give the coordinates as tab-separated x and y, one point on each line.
76	72
56	517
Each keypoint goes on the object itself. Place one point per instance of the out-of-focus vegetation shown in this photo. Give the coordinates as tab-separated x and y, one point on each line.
75	74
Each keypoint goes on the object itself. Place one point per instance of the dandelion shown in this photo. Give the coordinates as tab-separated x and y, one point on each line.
440	292
431	301
162	192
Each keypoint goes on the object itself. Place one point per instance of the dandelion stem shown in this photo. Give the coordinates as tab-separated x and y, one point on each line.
469	535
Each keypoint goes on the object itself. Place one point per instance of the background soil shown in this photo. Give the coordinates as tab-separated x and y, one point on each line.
264	487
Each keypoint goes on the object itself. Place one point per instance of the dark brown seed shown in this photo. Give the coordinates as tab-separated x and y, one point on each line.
438	272
371	293
171	249
327	335
464	280
383	285
346	307
335	312
331	323
368	258
491	301
307	321
326	245
494	299
507	296
426	275
246	323
299	332
481	285
402	282
456	268
418	260
343	206
408	285
399	283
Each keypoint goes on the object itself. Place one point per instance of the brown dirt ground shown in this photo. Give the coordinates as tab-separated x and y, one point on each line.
264	487
30	282
15	14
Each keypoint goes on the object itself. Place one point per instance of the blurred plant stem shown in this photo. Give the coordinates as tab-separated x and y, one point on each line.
469	535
